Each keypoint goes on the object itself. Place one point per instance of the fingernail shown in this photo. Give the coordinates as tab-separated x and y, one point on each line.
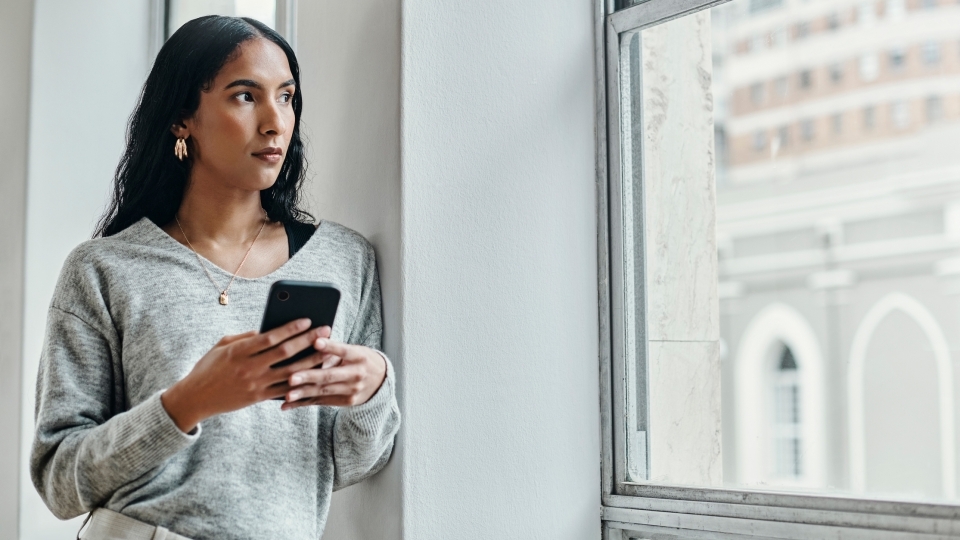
294	396
304	323
295	380
321	343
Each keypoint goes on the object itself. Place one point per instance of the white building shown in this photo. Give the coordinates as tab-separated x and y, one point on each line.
838	226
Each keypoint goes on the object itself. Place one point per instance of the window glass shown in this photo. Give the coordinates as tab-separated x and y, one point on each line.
759	141
778	37
780	84
838	245
807	128
895	9
836	72
836	121
783	136
756	93
840	259
833	21
866	13
900	114
756	6
787	440
934	108
930	52
869	67
869	117
181	11
898	57
624	4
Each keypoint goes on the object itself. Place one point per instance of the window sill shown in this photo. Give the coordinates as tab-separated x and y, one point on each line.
752	514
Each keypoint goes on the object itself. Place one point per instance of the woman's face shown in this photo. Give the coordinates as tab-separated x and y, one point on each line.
240	132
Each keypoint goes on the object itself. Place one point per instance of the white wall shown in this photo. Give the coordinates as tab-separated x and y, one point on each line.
89	61
485	229
500	335
349	54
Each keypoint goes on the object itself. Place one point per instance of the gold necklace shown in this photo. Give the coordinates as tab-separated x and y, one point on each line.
224	299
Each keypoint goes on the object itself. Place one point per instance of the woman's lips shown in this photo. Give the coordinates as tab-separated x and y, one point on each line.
269	155
269	158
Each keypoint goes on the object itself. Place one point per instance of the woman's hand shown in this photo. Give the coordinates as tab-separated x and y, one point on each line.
236	373
351	375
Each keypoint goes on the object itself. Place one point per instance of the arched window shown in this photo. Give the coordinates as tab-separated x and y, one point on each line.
780	404
787	430
856	391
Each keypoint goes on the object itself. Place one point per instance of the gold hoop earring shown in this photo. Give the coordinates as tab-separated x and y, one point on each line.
180	149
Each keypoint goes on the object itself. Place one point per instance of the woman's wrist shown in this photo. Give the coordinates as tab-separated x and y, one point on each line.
181	409
386	363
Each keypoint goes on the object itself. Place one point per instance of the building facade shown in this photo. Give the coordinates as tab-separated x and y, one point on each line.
838	220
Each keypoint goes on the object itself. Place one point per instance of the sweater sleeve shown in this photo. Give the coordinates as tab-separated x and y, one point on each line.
363	435
85	446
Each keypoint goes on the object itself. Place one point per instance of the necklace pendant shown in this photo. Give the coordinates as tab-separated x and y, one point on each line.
224	299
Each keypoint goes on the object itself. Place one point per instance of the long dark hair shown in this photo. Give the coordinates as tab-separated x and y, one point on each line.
150	180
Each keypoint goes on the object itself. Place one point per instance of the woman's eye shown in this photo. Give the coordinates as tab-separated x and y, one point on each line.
246	97
285	98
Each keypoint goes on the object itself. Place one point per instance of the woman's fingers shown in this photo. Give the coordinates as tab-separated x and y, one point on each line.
226	340
331	401
321	377
349	376
328	346
309	391
272	338
277	390
283	373
302	403
330	360
288	348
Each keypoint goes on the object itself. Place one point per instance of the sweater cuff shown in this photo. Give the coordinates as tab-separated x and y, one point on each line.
148	436
370	416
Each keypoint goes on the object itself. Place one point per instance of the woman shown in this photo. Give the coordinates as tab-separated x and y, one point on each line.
155	400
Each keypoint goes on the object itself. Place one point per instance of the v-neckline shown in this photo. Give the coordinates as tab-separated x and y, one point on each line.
185	249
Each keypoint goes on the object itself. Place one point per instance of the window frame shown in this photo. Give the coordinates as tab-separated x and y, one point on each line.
634	509
286	22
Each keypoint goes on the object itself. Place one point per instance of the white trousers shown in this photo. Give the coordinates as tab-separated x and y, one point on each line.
106	524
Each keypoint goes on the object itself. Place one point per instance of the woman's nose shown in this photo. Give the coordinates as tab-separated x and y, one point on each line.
272	121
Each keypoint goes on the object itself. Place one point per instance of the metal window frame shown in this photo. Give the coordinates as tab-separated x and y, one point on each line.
644	510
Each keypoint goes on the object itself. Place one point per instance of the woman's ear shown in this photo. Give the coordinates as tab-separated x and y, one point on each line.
180	131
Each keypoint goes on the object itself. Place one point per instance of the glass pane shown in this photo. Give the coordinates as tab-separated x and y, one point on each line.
181	11
624	4
834	171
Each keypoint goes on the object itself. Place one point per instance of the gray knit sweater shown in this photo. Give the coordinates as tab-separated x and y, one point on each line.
131	315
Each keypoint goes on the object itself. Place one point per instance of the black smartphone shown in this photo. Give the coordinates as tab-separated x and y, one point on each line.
291	300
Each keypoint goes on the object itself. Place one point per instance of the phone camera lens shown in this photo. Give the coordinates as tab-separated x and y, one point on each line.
283	296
